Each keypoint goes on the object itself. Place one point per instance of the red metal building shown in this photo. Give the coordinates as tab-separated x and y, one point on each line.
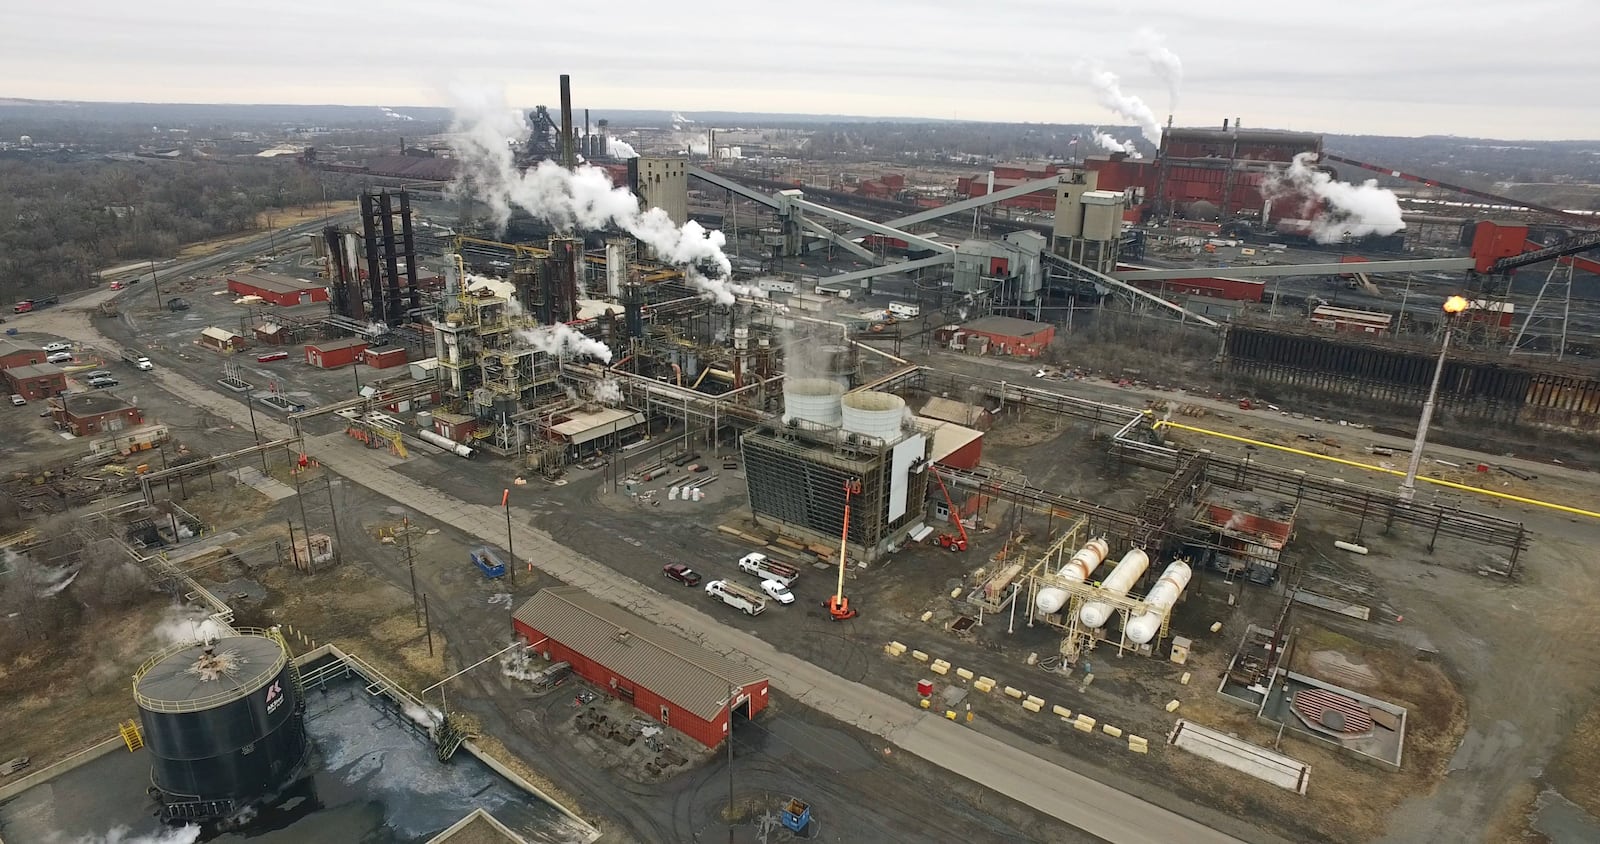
673	680
1009	176
277	289
1010	336
384	358
332	354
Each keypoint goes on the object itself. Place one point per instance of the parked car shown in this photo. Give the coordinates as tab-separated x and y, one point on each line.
681	573
17	401
777	591
57	347
103	382
59	357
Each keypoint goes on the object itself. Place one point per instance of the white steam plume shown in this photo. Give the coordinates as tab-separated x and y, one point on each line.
122	835
620	149
1152	47
1346	210
562	340
606	391
1110	144
582	199
181	625
1108	90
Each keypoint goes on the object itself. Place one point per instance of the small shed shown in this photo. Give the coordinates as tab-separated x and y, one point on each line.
271	334
39	381
332	354
586	431
454	426
385	358
221	339
958	413
956	446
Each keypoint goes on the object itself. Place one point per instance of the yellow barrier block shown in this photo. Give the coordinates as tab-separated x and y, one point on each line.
989	680
919	656
1036	701
1184	680
894	649
950	713
1172	705
1114	732
956	592
1061	710
984	684
1216	626
1139	748
924	703
1133	740
1031	706
939	666
1084	724
1011	692
964	673
927	615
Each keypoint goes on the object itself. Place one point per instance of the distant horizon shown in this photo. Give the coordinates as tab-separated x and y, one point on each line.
724	113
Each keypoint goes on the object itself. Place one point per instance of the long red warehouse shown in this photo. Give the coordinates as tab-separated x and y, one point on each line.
671	679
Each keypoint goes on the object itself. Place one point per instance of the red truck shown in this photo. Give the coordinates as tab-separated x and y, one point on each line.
27	305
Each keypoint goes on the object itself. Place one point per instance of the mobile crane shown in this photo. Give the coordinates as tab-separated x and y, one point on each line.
838	605
956	541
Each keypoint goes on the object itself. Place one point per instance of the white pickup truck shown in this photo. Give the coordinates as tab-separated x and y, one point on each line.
767	568
738	597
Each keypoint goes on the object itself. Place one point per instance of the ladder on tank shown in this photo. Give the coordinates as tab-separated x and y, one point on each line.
294	669
131	736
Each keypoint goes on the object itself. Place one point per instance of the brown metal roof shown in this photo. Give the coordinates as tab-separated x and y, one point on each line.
676	669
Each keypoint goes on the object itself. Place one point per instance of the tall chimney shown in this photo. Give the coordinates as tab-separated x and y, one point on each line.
588	139
567	158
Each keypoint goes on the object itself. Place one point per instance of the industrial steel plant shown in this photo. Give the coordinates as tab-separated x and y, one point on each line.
595	469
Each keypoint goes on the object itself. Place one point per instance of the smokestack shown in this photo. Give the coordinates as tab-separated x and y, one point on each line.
588	139
1224	123
567	158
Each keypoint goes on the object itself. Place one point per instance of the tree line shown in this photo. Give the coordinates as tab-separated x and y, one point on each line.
61	221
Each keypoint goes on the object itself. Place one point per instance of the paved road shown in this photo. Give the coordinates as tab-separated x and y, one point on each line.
1079	801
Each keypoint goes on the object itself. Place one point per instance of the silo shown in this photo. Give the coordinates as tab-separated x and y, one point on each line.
223	723
875	414
814	400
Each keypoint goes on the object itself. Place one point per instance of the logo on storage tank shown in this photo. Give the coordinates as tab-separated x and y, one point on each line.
274	696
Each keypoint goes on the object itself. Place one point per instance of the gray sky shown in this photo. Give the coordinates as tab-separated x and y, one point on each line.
1408	67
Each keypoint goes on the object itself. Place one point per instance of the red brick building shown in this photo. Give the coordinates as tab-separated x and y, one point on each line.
332	354
13	354
1003	335
673	680
384	358
38	381
277	289
87	414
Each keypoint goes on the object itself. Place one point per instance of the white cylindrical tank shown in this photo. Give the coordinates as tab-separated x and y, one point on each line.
1083	563
446	443
874	414
1144	626
813	400
1128	571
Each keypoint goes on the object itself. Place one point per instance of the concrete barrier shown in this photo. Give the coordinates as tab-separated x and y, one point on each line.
1061	711
983	684
894	649
964	673
1013	692
919	656
1172	705
1031	706
939	666
1035	700
1084	724
1114	732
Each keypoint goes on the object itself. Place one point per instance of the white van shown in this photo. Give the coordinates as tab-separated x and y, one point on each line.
903	310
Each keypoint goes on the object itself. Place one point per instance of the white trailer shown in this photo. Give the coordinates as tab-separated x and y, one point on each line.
738	597
903	310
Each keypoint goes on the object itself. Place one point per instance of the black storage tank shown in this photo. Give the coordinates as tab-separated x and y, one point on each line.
222	722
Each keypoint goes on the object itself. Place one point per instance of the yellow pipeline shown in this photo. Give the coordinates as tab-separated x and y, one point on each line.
1505	496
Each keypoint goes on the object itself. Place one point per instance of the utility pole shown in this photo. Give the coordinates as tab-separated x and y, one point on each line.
250	404
156	282
505	503
333	516
411	569
732	693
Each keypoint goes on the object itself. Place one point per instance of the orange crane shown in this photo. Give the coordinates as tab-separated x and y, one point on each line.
838	605
953	542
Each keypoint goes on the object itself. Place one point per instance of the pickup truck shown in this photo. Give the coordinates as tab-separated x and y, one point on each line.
138	361
738	597
767	568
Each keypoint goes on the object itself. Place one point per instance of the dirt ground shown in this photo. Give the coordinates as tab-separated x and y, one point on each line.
276	219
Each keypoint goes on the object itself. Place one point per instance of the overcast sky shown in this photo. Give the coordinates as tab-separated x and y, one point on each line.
1406	67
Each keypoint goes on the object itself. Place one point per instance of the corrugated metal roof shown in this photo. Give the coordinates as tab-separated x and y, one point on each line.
681	671
583	427
951	410
221	335
1006	326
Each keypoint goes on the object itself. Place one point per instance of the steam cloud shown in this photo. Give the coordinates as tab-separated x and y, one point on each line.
607	391
1151	46
562	340
182	626
122	835
1347	210
1108	90
583	198
620	149
1110	144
